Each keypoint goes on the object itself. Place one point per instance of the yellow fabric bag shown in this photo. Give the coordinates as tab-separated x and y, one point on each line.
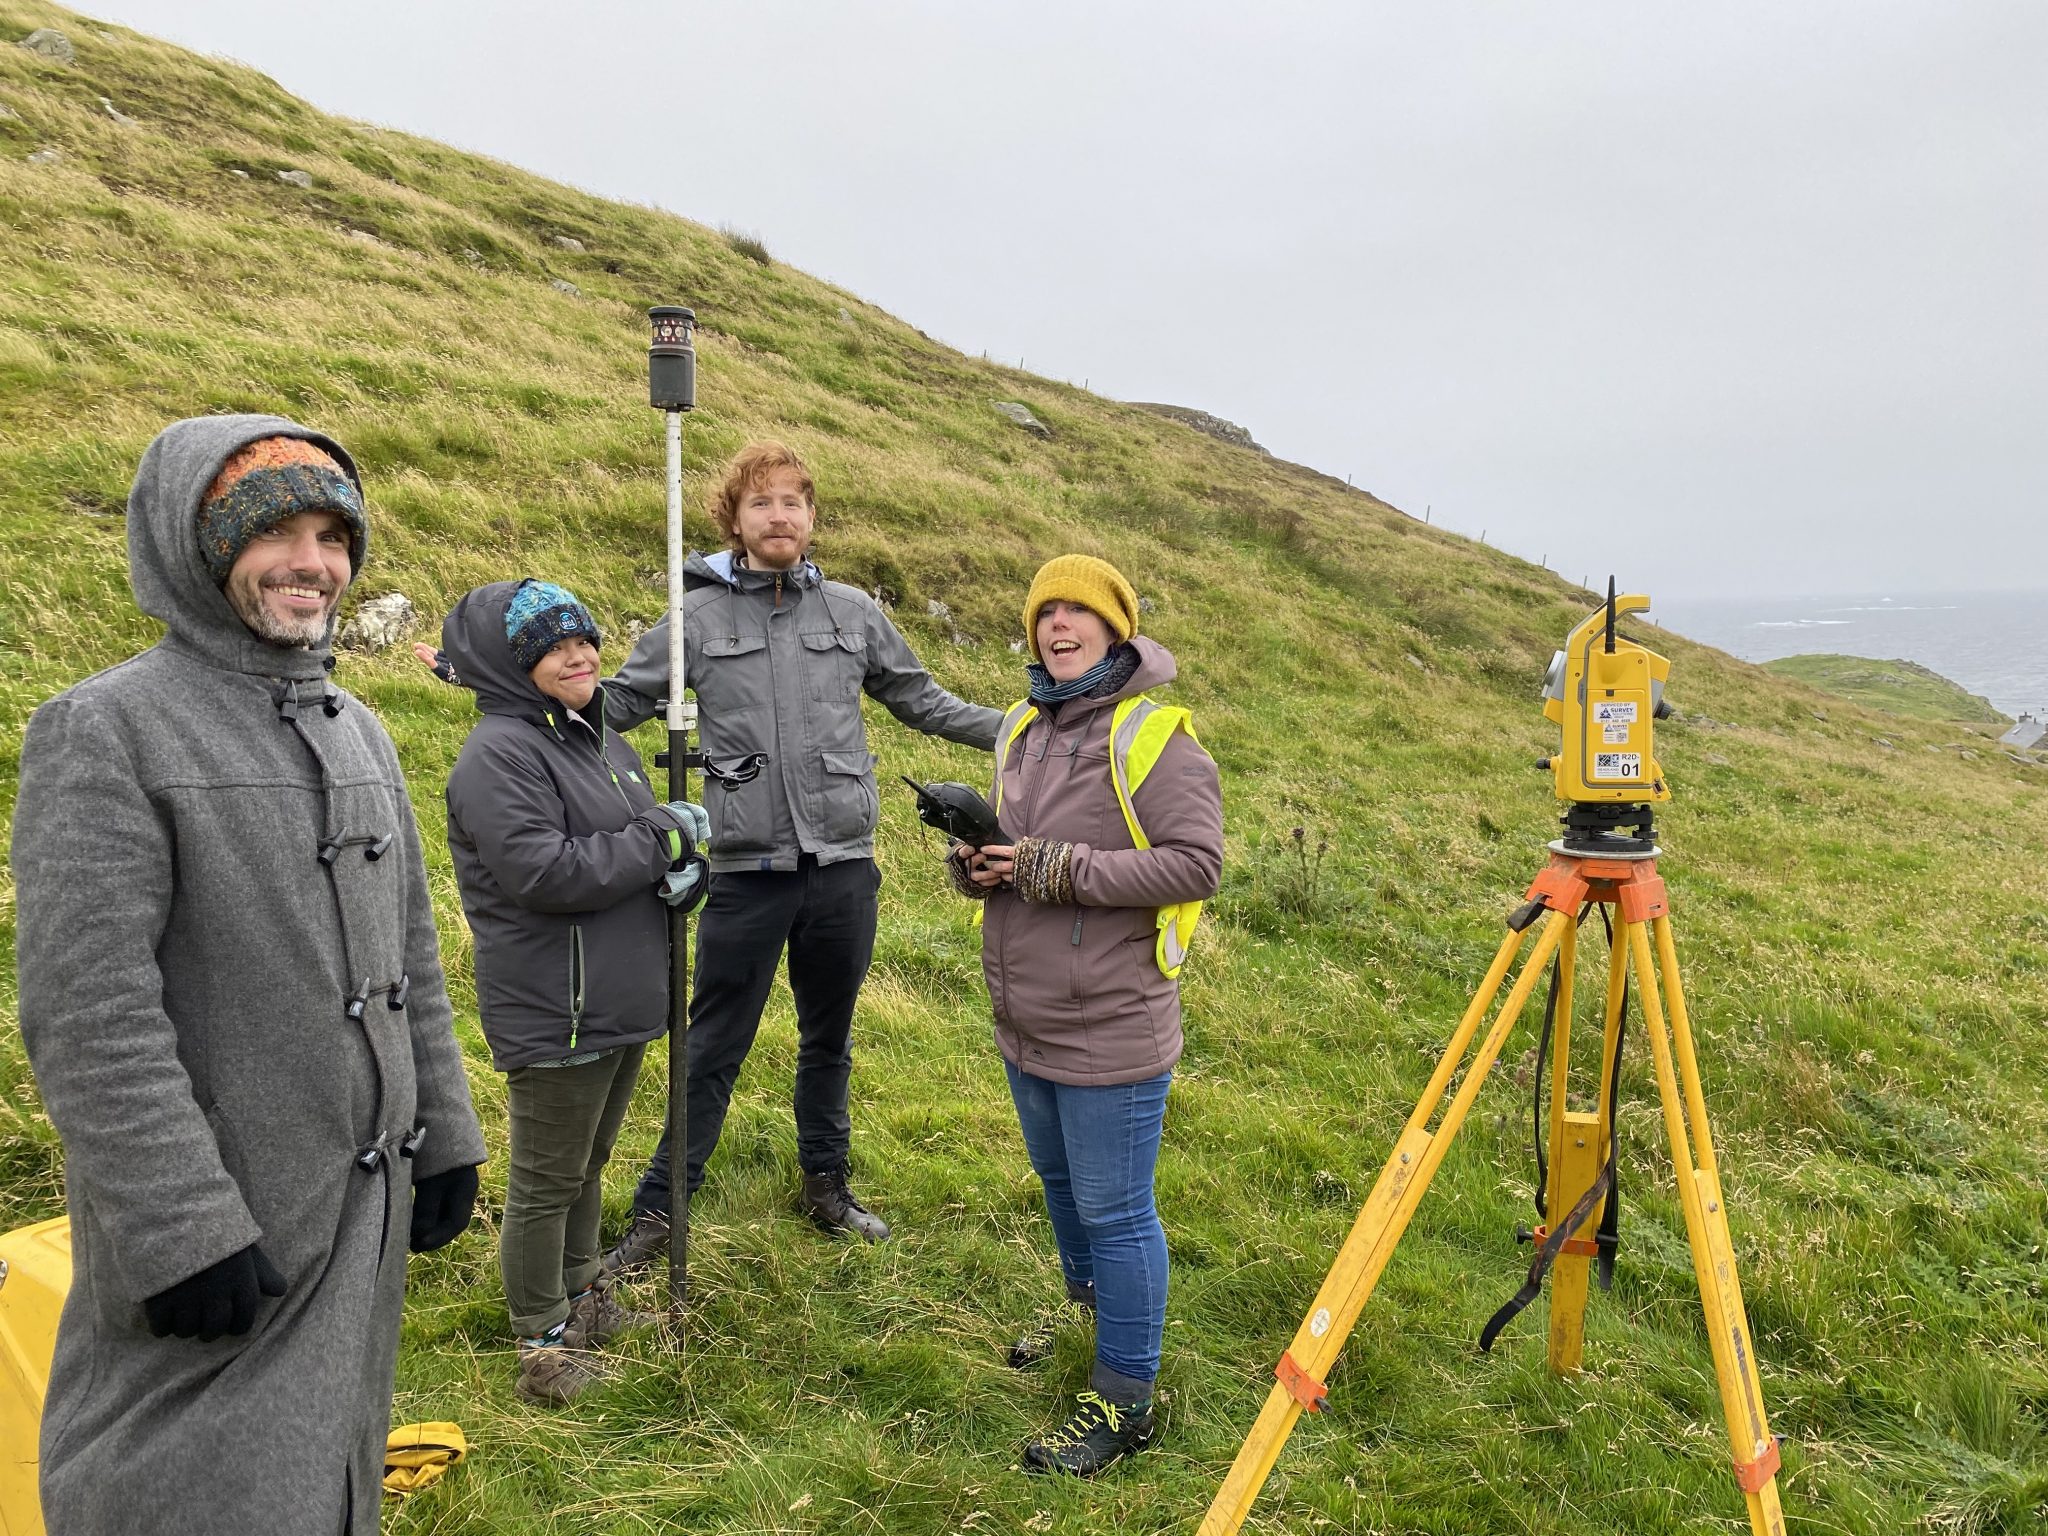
417	1454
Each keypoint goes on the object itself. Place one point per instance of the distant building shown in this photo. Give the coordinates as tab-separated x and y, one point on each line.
2026	732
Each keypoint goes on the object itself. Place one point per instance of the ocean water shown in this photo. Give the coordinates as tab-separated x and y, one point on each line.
1993	643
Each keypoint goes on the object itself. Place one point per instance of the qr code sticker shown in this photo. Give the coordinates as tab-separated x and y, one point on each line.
1617	765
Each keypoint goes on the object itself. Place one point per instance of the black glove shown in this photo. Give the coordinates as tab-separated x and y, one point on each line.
221	1298
441	1203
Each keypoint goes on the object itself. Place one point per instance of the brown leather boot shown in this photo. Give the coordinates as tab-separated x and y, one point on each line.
555	1373
645	1241
829	1203
597	1316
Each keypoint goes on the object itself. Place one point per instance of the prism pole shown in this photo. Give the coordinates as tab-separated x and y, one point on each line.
672	389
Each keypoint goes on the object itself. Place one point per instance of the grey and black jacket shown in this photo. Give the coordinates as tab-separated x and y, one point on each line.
559	846
778	661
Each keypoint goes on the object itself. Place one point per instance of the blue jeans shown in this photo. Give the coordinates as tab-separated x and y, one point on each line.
1095	1150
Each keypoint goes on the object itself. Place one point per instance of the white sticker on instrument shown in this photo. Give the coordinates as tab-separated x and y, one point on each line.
1617	765
1320	1323
1614	712
1615	735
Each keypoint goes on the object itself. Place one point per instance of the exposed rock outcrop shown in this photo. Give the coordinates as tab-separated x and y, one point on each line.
380	623
51	44
1022	416
1215	426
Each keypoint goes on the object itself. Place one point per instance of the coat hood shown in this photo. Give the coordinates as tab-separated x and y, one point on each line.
165	566
473	639
1156	666
722	569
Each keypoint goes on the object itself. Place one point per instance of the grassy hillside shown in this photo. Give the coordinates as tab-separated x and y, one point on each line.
1902	688
1863	923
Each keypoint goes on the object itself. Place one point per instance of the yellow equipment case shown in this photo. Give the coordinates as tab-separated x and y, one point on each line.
35	1272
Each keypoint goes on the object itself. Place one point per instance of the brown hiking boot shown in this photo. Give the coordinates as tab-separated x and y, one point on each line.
555	1373
829	1203
645	1241
597	1316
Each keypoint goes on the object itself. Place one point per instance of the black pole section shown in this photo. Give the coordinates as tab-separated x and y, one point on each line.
1610	616
678	1066
672	388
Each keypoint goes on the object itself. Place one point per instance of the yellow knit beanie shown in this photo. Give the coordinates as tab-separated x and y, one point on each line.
1095	584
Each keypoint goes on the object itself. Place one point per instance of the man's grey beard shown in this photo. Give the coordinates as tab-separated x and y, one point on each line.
307	634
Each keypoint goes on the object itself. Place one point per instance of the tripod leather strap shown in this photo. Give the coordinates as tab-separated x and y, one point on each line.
1546	1255
1542	1192
1609	1236
1561	1236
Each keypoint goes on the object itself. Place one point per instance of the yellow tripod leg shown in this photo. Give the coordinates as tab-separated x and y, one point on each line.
1400	1187
1560	1067
1578	1151
1706	1222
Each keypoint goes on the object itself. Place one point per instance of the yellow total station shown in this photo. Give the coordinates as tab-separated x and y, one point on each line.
1606	692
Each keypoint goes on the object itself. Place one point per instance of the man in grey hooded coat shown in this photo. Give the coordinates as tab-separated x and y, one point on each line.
233	1002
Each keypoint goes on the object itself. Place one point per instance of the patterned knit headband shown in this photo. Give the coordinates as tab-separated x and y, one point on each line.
266	482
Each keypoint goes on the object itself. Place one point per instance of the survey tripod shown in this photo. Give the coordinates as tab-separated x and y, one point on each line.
1596	865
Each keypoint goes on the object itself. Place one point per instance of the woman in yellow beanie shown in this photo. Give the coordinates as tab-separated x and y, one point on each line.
1080	949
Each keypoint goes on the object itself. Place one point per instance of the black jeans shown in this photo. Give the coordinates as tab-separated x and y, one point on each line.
825	915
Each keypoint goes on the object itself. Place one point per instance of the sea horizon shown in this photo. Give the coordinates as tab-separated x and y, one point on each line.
1992	644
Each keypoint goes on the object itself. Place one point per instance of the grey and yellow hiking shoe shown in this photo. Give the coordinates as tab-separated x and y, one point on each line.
829	1203
1035	1345
597	1316
645	1241
555	1373
1097	1433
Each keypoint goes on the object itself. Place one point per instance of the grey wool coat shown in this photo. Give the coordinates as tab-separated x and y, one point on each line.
232	1034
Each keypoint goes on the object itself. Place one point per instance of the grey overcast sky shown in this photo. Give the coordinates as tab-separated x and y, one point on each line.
1749	298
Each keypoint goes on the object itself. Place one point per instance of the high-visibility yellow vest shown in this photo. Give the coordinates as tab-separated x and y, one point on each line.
1138	733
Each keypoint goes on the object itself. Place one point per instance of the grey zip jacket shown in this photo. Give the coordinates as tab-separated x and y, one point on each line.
233	1003
558	847
778	661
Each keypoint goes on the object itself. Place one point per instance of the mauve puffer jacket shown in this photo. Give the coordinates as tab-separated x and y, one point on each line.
1077	991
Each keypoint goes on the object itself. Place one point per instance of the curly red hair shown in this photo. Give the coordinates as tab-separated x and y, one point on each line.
748	469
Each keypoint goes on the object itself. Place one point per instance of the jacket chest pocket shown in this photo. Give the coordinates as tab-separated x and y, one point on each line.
1091	792
835	664
729	673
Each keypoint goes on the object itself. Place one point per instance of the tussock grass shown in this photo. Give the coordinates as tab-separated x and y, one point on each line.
747	244
1861	925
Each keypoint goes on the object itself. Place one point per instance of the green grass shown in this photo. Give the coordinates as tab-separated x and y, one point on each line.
1902	688
1862	924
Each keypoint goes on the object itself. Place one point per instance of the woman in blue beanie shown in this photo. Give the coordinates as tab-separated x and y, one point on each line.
563	857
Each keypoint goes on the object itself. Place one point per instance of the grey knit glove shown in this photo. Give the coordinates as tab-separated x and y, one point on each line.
1044	872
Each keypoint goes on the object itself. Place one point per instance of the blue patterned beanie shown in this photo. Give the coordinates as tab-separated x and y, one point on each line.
541	614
